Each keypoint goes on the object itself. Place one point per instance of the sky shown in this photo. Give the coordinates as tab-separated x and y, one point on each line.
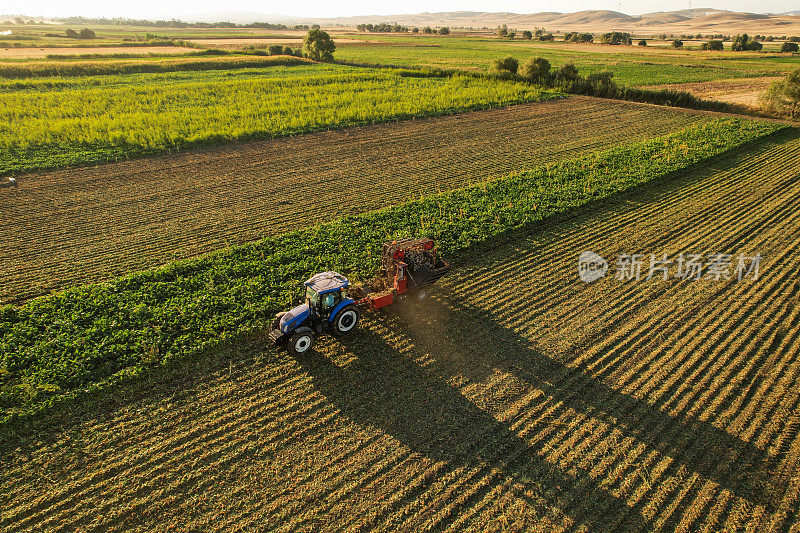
159	9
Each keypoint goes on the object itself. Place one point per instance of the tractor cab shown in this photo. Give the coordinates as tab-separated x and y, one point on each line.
324	292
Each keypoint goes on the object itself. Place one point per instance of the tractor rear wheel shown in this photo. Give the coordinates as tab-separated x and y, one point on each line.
345	320
301	342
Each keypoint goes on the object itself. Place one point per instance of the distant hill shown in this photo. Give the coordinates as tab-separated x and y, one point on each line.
696	20
652	19
696	12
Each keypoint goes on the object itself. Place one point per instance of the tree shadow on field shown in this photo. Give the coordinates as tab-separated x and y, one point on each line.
403	387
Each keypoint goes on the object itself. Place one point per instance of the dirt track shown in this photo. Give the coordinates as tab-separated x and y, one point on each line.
522	399
88	224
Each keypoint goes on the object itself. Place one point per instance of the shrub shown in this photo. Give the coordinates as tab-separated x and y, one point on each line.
527	35
288	51
677	43
789	47
712	45
601	79
546	37
616	38
506	64
444	31
784	95
502	31
642	43
537	70
567	72
275	50
743	43
575	37
427	30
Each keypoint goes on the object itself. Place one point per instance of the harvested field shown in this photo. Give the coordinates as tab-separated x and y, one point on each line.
87	224
522	399
33	53
743	91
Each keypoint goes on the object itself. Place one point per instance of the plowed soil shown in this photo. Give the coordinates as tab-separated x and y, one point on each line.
87	224
518	398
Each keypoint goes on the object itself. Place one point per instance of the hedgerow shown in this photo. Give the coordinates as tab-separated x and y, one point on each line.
89	337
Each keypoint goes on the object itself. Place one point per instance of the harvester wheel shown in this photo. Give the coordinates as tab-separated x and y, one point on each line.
345	320
301	342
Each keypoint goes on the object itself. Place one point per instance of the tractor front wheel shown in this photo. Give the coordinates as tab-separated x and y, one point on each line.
301	342
346	320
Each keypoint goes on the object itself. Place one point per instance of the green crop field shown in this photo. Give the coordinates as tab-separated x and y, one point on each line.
102	118
631	65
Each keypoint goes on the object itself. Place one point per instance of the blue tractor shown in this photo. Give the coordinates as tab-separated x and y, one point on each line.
408	268
327	308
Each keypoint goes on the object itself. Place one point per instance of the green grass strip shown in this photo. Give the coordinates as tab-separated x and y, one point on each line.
89	337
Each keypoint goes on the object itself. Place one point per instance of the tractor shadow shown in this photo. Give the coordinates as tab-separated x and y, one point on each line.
386	388
403	386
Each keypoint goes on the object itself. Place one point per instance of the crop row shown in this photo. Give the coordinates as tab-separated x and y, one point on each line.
89	224
519	395
55	128
91	335
676	397
96	67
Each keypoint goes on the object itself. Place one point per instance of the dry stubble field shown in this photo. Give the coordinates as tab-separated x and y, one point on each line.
87	224
520	399
742	91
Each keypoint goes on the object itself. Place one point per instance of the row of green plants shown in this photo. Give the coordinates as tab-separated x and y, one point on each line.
90	337
157	64
273	71
46	129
